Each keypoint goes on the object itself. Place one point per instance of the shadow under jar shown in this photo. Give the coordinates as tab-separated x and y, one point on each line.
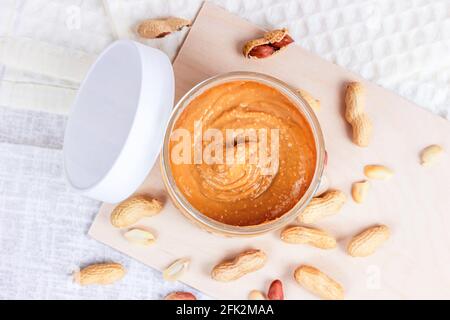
243	154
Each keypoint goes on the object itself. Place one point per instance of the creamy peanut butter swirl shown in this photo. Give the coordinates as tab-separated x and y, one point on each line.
233	182
253	186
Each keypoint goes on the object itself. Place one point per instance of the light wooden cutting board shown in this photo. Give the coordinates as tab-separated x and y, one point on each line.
415	203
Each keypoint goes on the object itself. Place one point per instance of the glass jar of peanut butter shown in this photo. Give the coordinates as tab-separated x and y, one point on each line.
243	154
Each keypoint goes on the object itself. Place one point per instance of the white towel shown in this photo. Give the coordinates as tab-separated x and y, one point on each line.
42	235
402	45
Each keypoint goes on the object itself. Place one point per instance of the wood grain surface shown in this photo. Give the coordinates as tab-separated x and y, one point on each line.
415	203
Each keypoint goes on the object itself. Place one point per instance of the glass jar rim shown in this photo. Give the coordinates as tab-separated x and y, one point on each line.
219	227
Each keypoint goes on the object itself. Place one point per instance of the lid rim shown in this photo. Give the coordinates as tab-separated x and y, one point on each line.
131	164
83	84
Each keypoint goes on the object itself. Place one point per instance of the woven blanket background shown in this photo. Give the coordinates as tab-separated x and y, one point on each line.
403	45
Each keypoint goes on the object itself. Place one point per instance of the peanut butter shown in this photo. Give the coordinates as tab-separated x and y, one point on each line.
253	187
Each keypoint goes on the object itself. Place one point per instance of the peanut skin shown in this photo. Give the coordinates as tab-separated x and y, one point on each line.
275	290
286	40
180	295
262	51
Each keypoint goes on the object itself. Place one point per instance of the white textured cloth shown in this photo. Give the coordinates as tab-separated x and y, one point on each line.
403	45
42	235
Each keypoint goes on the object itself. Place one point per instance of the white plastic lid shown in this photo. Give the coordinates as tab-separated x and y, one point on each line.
116	126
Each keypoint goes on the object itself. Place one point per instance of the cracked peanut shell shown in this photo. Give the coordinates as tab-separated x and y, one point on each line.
159	28
272	42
